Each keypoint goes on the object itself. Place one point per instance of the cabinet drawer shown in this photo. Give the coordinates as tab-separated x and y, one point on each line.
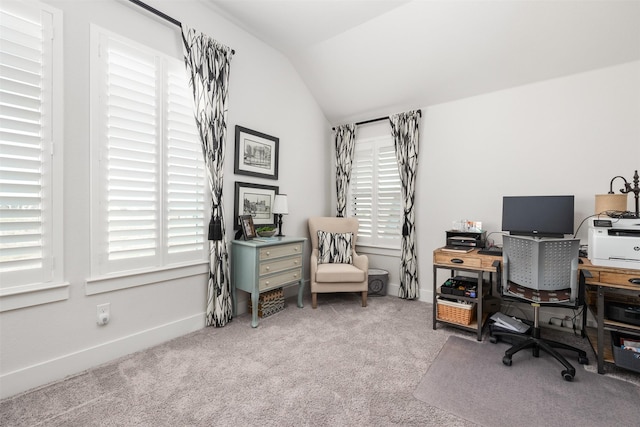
451	258
268	267
279	279
620	278
280	251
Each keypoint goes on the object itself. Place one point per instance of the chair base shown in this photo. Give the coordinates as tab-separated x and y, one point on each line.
314	299
536	343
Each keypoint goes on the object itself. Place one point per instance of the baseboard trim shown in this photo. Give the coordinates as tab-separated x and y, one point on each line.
393	289
56	369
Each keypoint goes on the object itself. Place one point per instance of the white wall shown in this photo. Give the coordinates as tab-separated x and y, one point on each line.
46	342
564	136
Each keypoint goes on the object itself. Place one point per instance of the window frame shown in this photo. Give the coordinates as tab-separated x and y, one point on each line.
374	144
103	271
47	285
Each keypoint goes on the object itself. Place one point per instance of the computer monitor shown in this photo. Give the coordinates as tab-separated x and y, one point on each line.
538	216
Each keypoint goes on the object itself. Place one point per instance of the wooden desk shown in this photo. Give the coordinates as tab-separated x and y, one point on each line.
470	262
609	283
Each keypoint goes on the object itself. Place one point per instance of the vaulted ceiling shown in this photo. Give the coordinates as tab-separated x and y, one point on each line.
363	58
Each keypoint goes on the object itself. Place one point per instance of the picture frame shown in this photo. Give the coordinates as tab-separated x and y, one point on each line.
256	154
248	228
255	200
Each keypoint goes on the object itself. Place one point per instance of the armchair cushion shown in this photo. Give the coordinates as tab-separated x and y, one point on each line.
339	273
335	248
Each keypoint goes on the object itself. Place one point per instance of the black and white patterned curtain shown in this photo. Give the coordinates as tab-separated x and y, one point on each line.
404	129
345	140
207	63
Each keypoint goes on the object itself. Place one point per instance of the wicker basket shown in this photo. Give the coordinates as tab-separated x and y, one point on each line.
269	303
455	312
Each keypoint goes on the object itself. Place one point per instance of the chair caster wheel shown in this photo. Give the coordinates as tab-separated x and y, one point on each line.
568	376
506	360
583	360
493	340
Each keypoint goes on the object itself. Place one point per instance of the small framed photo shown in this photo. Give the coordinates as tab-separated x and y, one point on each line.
255	200
256	154
248	229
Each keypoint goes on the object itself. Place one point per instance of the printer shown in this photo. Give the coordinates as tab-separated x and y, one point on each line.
614	242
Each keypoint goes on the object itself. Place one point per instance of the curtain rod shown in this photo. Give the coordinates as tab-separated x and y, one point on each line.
364	122
162	15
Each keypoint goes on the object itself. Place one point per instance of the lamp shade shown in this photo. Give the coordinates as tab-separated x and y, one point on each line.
280	205
611	203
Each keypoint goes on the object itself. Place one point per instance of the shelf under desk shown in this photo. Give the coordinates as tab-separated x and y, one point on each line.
609	283
471	262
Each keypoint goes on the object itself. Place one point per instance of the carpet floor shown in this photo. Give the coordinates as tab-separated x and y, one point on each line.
468	379
338	365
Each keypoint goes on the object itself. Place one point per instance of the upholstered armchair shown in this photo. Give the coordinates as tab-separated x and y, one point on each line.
335	266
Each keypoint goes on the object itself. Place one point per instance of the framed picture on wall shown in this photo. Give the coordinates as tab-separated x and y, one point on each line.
256	154
255	200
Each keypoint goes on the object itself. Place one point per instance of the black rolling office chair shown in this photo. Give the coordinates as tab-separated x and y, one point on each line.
541	272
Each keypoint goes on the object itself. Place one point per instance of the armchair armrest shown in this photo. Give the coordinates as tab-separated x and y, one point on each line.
361	262
313	263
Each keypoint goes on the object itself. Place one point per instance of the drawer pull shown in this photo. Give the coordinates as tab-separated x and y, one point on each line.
268	268
295	262
266	283
635	280
268	253
457	261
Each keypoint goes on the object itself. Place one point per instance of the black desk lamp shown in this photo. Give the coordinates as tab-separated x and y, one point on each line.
615	205
628	189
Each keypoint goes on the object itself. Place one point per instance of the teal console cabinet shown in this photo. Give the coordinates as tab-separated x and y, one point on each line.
261	265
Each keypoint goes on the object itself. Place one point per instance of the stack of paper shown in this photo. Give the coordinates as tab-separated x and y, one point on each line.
510	323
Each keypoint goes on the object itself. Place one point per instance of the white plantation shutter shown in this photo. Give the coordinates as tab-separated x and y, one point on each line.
361	190
184	190
375	192
131	155
26	145
389	200
150	183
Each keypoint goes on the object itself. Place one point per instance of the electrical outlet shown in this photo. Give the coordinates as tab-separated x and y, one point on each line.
103	313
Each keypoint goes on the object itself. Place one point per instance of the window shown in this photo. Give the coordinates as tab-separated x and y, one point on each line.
30	128
375	192
149	198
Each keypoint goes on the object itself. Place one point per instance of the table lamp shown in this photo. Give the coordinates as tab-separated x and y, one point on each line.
613	203
280	207
616	204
